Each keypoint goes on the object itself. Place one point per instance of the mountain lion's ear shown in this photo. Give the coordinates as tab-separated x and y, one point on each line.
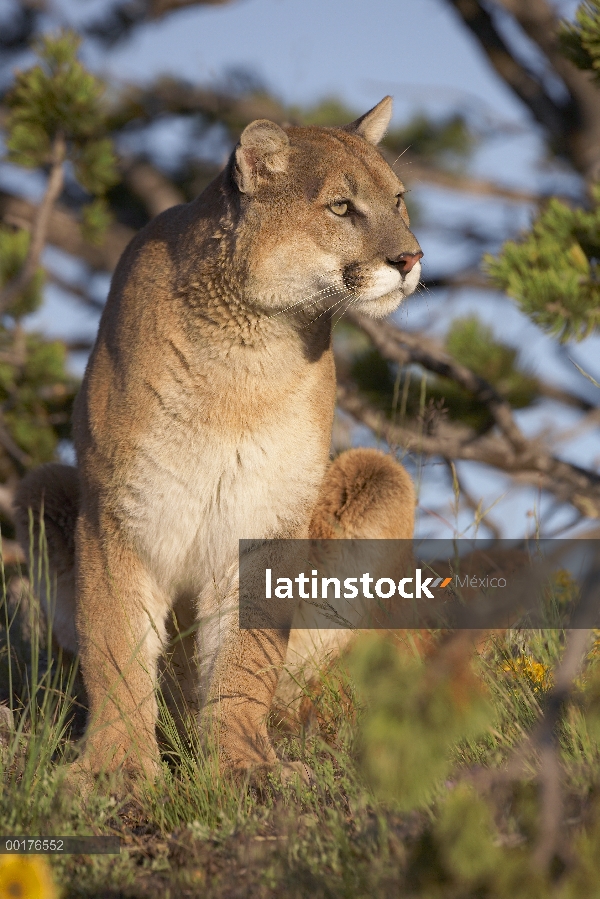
262	150
374	123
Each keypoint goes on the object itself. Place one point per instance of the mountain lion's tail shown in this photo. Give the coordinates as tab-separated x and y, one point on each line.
365	495
49	496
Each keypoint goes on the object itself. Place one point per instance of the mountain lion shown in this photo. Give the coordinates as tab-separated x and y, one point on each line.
205	416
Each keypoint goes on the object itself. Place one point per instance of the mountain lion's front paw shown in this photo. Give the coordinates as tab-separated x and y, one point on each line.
120	776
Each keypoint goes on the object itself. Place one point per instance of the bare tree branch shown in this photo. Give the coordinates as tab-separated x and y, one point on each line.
574	125
539	21
84	344
481	23
117	22
152	187
19	28
469	278
164	96
545	737
475	506
404	349
39	230
75	291
415	171
12	553
64	232
531	464
21	459
563	396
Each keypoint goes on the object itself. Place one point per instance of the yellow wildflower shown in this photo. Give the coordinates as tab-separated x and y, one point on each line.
539	675
595	647
26	877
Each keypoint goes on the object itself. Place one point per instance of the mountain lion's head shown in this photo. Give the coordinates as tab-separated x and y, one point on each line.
322	221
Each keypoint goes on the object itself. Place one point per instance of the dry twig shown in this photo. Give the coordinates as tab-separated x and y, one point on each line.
39	231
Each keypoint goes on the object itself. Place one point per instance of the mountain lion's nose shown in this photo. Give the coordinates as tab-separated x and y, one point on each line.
405	261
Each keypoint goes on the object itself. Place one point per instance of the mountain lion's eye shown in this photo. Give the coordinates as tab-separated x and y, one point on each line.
339	208
399	198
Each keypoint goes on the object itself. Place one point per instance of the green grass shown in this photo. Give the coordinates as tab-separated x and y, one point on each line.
425	780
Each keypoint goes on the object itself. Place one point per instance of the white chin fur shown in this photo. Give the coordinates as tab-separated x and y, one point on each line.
384	280
377	302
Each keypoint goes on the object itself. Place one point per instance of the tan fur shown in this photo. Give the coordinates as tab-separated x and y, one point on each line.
365	495
205	416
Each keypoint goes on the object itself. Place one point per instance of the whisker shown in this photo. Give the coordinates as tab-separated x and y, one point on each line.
398	157
329	308
320	294
353	298
299	302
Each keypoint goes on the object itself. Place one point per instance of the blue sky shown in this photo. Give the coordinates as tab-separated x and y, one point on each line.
359	50
421	54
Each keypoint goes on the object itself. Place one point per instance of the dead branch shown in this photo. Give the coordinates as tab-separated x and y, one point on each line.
64	232
7	492
21	459
12	552
471	278
19	30
563	396
405	349
40	224
472	503
530	464
76	291
117	22
152	187
82	345
170	96
415	171
545	738
540	22
573	125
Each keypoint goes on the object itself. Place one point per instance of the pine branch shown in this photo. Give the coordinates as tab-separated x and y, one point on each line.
39	231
